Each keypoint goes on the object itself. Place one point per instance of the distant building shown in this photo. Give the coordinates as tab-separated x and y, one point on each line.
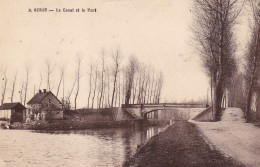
45	105
12	112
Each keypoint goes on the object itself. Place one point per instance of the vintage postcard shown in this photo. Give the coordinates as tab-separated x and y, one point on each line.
153	83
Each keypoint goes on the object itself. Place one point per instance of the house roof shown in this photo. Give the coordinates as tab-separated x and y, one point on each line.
7	106
40	96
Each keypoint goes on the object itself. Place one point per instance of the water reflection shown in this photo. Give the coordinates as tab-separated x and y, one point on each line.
101	147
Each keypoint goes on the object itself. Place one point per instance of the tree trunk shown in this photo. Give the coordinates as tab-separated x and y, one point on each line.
248	106
114	89
218	94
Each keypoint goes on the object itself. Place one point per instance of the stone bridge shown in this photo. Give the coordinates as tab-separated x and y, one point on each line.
161	110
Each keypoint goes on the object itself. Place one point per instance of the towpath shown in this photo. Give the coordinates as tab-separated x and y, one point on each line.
180	145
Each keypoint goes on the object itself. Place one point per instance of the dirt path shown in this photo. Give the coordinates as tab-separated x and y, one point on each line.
180	145
234	137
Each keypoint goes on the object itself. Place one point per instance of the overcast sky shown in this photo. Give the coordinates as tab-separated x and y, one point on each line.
157	32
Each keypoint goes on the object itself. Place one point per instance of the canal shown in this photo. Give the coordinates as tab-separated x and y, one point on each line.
101	147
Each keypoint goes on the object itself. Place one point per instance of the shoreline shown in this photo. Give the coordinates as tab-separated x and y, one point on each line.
73	125
66	125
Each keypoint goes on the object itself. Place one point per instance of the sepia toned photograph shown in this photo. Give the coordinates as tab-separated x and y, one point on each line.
130	83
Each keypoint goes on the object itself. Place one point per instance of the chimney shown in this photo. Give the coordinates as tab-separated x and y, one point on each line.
40	91
44	90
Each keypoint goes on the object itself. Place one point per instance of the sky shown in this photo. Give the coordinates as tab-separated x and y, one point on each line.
156	32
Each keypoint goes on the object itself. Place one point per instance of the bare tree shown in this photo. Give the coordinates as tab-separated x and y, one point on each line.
98	94
145	91
119	90
27	69
237	92
159	89
140	74
252	58
116	94
116	56
40	84
123	87
61	78
213	24
131	69
95	86
90	82
13	87
4	78
152	86
21	93
72	88
50	68
63	85
78	75
102	77
134	90
108	89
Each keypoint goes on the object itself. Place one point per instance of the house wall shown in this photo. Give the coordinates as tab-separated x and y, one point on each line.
5	114
32	108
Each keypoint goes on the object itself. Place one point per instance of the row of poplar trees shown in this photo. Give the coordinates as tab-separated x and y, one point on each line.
114	83
214	38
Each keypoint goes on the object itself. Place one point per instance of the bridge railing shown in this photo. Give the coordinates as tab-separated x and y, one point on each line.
163	105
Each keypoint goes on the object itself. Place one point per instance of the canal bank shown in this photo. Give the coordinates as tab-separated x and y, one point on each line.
64	125
180	145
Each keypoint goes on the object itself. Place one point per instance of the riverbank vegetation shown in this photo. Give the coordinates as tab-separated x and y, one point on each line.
63	125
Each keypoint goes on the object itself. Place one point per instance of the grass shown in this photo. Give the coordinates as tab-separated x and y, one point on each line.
180	145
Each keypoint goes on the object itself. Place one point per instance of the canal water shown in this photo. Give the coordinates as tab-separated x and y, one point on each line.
102	147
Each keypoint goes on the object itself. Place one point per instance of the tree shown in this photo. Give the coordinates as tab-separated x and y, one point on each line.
108	88
152	86
27	69
40	84
119	90
78	75
13	87
115	70
102	77
159	87
72	88
90	82
61	77
131	69
21	93
50	68
252	58
212	29
4	78
95	86
237	92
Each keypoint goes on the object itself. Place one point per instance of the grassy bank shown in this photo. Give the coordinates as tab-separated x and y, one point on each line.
77	125
180	145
